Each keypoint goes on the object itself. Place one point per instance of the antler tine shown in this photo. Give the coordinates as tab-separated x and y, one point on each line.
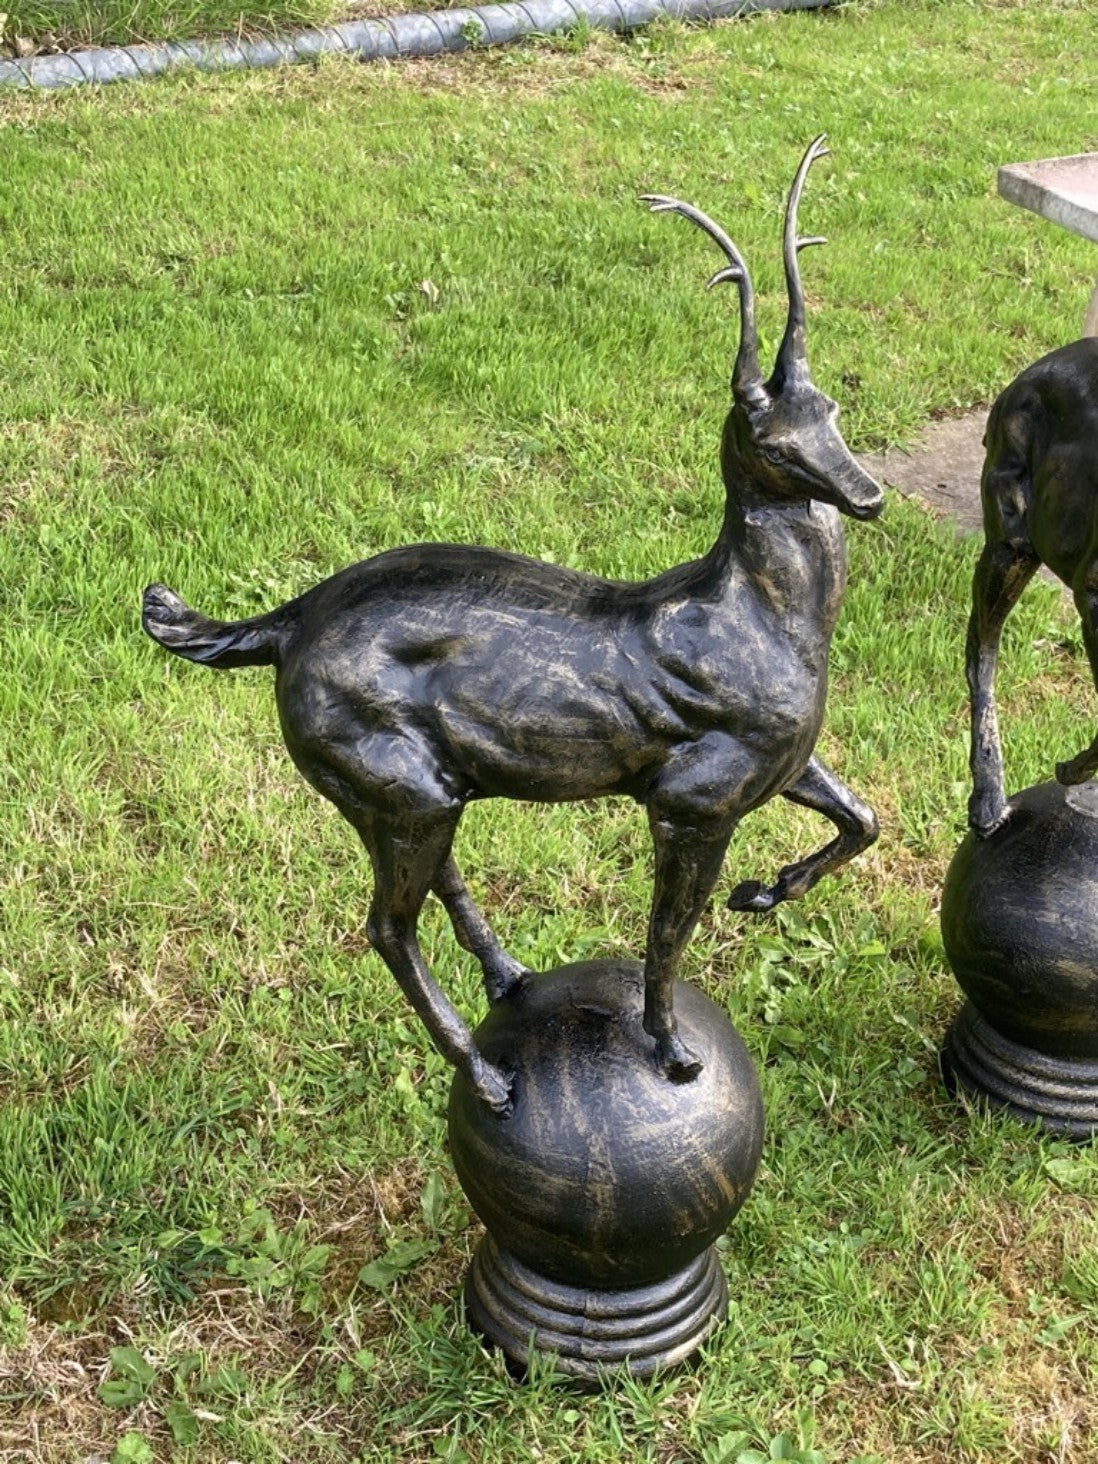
792	354
736	269
660	203
746	376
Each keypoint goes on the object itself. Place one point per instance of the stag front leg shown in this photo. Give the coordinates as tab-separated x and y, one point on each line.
688	862
1085	764
1002	573
819	789
502	973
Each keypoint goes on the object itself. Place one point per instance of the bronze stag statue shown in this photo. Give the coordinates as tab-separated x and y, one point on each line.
1040	500
1019	908
429	676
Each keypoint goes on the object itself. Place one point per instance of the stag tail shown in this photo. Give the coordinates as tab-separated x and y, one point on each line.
223	643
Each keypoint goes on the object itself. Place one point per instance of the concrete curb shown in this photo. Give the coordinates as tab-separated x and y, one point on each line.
431	33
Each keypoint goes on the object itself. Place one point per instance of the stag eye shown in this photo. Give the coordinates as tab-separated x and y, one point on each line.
774	455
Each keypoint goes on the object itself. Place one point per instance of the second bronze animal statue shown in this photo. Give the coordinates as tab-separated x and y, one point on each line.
430	676
1039	491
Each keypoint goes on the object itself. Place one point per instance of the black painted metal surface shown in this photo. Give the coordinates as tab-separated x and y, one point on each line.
605	1121
605	1188
1059	1094
1020	905
1020	927
1040	501
427	677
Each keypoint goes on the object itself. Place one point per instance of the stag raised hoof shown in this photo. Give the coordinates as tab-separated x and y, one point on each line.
1040	499
430	676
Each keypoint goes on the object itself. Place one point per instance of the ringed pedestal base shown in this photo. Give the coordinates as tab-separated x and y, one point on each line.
605	1187
1020	929
1060	1094
589	1330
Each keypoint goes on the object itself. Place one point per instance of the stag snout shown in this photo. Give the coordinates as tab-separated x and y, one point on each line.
791	449
820	464
859	495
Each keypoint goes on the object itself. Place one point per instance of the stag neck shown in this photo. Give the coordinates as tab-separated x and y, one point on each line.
747	511
791	554
750	508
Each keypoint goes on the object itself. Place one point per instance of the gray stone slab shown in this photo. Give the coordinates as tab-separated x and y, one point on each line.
942	470
1064	190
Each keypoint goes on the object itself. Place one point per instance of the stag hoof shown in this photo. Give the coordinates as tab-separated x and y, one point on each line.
1078	770
677	1060
753	895
493	1088
504	980
986	814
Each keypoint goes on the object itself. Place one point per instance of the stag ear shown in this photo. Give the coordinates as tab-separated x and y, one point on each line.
791	365
753	396
747	383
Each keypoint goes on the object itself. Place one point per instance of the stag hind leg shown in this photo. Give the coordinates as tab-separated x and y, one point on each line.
502	973
821	790
1006	565
1002	573
407	862
1085	764
688	863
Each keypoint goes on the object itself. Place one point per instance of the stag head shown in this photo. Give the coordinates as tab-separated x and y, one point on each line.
782	434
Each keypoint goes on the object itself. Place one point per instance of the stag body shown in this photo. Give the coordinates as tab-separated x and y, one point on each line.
430	676
1040	500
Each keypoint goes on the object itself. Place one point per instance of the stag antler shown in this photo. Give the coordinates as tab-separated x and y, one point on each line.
792	358
746	376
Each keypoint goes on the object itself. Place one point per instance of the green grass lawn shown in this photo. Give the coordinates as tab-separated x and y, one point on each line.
49	24
222	367
72	23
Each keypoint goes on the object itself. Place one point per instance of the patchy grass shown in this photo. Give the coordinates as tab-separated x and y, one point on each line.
221	367
68	24
52	25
